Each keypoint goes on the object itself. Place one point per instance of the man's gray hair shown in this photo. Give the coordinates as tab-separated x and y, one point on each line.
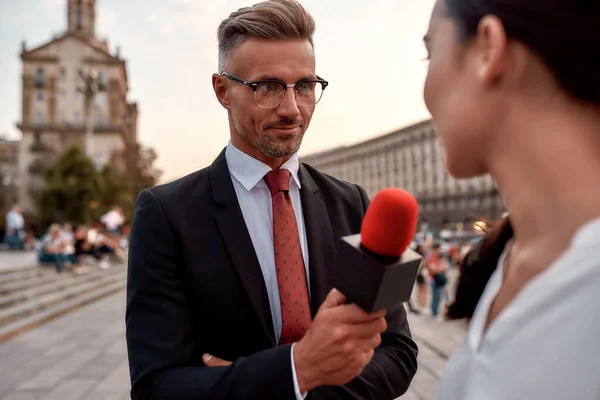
271	20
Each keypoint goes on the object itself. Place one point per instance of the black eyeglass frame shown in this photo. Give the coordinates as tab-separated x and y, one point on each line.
254	85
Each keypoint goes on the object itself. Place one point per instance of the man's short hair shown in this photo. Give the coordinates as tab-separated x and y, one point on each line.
271	20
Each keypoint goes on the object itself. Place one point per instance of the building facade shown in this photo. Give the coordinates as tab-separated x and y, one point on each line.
412	159
9	175
53	106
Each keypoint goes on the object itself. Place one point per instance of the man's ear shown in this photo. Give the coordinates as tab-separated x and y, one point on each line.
221	90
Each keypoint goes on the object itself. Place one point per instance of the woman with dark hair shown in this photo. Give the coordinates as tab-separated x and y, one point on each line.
476	269
515	84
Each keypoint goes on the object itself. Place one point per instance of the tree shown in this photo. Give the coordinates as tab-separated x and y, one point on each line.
72	183
141	171
76	192
115	189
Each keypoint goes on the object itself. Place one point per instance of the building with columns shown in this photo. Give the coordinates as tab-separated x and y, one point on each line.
53	107
412	159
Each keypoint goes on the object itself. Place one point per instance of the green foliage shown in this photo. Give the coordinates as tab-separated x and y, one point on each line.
71	184
140	167
115	189
77	193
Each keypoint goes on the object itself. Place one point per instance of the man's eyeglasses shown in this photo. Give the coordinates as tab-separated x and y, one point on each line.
270	93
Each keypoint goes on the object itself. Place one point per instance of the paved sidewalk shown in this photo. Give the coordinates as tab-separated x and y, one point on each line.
79	356
437	341
82	356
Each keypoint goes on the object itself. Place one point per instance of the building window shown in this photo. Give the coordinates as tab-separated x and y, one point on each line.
39	118
63	74
62	97
39	77
100	99
101	121
77	116
40	95
100	161
101	78
63	117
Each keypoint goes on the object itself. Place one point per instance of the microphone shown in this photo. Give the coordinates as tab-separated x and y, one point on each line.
375	269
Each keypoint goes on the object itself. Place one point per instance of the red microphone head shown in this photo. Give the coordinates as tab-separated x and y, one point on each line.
390	222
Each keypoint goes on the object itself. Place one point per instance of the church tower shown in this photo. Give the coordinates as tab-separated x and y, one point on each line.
81	16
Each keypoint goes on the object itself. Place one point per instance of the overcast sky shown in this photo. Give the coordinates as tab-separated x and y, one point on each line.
370	51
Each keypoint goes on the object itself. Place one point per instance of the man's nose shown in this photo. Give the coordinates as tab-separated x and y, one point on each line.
288	108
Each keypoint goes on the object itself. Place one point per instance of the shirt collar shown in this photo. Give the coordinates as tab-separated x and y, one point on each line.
250	172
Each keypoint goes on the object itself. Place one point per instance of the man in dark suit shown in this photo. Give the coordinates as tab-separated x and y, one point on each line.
228	292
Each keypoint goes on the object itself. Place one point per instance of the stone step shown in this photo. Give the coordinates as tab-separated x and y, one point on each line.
17	276
11	287
14	328
26	290
39	304
7	269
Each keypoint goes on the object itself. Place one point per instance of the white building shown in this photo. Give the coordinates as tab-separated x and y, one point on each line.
53	112
412	159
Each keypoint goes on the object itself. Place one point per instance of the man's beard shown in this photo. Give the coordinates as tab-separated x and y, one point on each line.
275	146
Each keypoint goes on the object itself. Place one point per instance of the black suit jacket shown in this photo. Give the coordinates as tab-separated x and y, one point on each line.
195	286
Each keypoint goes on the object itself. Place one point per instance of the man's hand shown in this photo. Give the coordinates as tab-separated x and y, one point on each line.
338	345
212	361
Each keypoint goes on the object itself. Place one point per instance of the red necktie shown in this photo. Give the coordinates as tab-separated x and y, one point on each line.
291	275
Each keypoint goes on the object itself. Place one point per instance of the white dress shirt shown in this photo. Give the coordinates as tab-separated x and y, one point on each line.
544	344
14	220
254	197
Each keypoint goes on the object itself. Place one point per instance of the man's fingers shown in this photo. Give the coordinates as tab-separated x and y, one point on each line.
353	314
334	298
212	361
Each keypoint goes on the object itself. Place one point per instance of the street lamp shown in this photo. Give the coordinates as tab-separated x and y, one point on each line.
89	86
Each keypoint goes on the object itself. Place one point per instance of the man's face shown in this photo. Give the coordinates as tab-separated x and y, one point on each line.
268	133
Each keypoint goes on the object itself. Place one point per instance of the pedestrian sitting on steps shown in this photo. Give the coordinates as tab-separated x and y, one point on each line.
54	249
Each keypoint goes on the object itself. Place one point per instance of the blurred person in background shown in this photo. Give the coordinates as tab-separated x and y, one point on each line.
67	233
514	84
15	224
437	265
476	268
106	244
113	220
55	250
85	240
422	284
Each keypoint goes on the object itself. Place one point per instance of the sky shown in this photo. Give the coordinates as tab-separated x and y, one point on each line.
371	52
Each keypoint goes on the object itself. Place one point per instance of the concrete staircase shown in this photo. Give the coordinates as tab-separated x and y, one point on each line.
32	295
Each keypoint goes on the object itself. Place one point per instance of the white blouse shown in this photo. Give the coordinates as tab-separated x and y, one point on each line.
545	344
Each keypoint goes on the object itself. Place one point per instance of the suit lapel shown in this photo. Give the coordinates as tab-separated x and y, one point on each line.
235	233
321	246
